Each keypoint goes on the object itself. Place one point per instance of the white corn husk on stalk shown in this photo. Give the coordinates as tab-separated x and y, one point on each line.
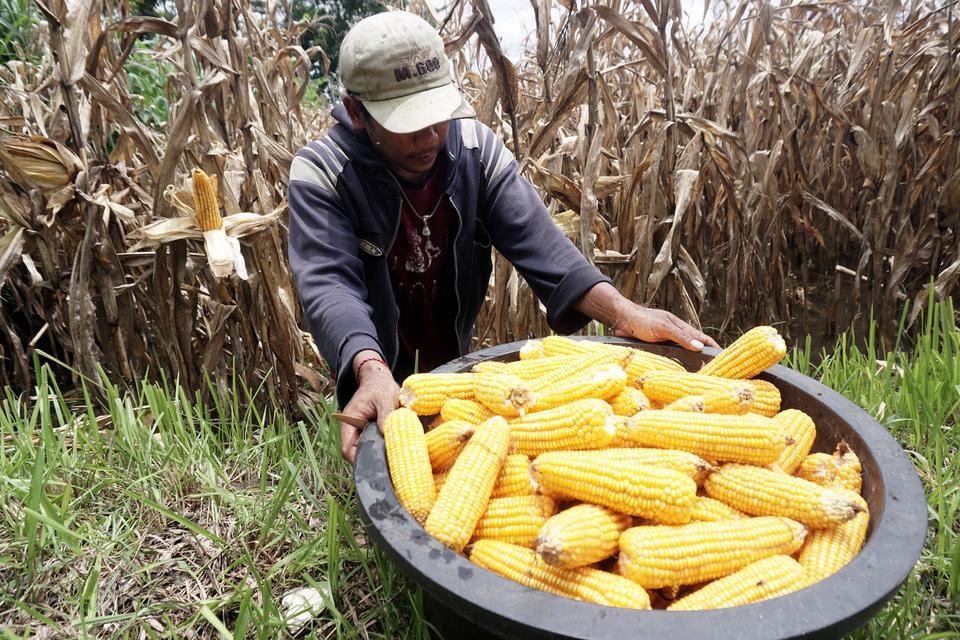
187	226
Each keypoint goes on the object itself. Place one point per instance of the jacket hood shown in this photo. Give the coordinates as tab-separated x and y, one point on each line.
355	142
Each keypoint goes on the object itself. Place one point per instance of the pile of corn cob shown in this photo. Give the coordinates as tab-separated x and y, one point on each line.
612	475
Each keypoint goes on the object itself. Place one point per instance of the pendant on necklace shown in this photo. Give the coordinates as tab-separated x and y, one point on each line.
427	246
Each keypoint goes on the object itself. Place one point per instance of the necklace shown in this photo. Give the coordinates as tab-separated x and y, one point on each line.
425	232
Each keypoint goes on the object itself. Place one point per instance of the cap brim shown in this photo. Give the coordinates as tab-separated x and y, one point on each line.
420	110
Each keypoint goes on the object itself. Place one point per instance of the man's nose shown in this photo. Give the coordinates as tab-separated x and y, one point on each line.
426	134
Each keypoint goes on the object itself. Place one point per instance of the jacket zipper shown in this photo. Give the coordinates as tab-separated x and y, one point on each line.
456	273
396	308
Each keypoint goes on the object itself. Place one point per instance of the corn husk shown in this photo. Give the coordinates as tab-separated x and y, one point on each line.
223	254
300	606
40	162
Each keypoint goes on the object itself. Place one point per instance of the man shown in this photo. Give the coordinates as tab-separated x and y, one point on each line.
392	216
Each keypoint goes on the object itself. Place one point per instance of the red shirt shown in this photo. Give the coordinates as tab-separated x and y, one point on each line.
421	283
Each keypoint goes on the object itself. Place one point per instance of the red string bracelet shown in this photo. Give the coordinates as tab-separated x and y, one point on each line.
370	359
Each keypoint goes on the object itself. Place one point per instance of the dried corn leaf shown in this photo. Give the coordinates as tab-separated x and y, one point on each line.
949	199
645	39
11	248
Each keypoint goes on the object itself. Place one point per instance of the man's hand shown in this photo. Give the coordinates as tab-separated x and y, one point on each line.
657	325
376	396
630	320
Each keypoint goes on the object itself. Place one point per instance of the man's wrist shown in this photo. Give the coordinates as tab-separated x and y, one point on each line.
605	304
369	362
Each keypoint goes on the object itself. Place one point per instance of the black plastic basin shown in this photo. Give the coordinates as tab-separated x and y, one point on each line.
490	606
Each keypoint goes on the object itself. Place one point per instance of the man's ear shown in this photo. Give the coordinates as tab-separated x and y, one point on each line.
353	110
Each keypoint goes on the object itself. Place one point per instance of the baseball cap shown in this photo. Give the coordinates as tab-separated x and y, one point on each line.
393	62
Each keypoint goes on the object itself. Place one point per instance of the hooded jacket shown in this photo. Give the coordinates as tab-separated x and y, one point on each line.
344	216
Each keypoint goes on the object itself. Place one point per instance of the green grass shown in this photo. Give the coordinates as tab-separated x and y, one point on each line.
162	515
157	514
913	391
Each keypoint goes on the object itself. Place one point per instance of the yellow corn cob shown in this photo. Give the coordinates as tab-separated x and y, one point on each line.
445	442
819	468
439	479
639	363
602	382
760	580
531	350
425	393
766	398
581	535
667	386
686	463
670	593
570	367
756	350
464	496
827	550
516	519
620	439
716	437
563	346
502	393
205	201
643	362
629	401
462	409
582	424
491	366
660	556
737	401
840	469
409	462
707	509
734	401
590	585
514	477
695	404
800	428
764	492
648	491
849	470
536	368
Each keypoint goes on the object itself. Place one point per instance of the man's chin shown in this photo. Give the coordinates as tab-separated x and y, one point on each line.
422	163
426	160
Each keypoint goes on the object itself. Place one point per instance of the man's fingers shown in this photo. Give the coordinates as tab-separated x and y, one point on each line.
384	406
684	334
349	437
689	336
697	339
